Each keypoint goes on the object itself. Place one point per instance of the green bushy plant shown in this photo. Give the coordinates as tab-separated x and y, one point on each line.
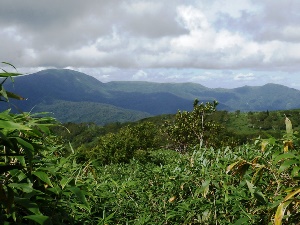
272	177
130	141
34	182
191	128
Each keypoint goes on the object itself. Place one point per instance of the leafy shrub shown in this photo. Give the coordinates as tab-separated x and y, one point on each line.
191	128
272	177
129	142
35	185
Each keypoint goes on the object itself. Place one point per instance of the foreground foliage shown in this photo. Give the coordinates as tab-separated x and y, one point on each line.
129	177
34	186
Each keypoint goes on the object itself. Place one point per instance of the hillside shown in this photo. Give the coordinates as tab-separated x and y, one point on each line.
52	84
84	112
247	98
47	89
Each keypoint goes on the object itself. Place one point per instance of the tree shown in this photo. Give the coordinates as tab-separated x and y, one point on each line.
192	128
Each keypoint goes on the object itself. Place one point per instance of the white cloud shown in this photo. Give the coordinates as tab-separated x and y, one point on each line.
139	75
245	77
192	18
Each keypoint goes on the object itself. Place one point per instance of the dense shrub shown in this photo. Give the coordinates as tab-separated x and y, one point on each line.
131	141
191	128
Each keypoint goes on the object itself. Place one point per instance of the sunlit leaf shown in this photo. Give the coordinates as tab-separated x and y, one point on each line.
288	125
172	199
283	205
205	188
9	125
64	181
280	212
231	166
251	187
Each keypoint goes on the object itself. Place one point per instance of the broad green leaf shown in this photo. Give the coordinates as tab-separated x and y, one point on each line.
21	176
56	190
287	155
9	125
31	206
24	144
64	181
205	188
21	159
260	197
43	176
25	187
79	194
43	127
3	92
286	164
251	187
40	219
295	172
5	115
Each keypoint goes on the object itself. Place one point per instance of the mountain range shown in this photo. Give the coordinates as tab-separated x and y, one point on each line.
76	97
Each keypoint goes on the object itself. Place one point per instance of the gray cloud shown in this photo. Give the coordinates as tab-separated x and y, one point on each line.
142	34
273	20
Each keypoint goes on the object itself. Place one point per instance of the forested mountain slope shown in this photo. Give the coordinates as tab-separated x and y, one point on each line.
47	89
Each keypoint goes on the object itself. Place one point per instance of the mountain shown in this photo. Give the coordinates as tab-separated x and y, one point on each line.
54	84
77	97
247	98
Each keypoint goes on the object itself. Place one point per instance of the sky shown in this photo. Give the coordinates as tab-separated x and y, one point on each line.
217	43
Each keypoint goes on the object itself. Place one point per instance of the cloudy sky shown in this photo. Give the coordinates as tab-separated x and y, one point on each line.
218	43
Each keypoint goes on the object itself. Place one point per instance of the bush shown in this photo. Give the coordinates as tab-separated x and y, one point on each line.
193	128
129	142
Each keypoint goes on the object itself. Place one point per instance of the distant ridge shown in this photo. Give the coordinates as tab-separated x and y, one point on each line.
48	89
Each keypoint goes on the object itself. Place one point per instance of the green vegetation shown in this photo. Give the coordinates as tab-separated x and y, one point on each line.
229	168
61	91
84	112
